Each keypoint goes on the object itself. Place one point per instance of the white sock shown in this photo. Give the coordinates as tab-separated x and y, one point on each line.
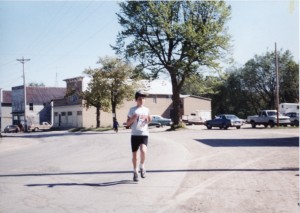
135	170
142	166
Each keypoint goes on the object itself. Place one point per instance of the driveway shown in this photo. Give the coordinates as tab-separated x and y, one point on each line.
193	170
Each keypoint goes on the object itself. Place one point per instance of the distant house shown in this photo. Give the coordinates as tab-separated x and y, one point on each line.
5	109
38	103
69	112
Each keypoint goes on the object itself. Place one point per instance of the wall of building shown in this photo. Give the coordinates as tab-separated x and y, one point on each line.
158	105
6	117
68	116
78	116
191	104
35	115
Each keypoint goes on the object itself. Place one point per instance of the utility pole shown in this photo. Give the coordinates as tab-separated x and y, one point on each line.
23	61
277	84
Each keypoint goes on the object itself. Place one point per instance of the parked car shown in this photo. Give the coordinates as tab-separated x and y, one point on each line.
224	121
38	127
156	124
163	121
294	118
11	128
151	124
268	118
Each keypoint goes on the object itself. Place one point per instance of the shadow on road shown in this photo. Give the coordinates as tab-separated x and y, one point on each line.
151	171
51	185
280	142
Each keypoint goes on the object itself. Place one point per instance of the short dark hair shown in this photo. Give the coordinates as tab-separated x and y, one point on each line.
140	93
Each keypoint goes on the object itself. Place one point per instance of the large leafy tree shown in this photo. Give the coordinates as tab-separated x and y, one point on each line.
259	80
289	78
175	37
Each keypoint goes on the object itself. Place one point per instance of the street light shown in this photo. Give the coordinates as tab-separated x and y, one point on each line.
22	60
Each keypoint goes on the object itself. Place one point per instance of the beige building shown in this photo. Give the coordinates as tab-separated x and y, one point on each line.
70	112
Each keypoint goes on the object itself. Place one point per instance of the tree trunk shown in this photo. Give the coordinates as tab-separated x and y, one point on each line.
176	100
98	117
113	107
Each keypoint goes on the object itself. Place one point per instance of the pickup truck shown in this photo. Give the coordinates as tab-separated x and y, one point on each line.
268	118
37	127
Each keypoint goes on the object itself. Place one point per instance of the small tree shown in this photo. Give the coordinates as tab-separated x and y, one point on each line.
117	74
97	93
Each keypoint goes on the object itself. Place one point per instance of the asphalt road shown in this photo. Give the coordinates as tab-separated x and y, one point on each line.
194	170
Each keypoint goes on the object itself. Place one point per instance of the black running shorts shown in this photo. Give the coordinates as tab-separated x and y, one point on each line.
137	140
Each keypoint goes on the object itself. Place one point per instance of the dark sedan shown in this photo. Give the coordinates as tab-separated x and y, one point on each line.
224	122
11	128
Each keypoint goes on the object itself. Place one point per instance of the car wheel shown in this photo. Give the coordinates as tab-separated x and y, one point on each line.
272	124
238	127
209	126
35	129
224	126
296	123
253	125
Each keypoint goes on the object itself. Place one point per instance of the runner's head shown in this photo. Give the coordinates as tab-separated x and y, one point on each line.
140	93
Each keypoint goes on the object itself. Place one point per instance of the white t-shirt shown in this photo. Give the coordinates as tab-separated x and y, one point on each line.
140	125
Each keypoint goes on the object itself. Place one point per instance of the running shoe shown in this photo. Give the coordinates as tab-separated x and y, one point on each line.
135	177
143	173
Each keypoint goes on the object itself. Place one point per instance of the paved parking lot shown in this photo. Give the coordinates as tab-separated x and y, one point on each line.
194	170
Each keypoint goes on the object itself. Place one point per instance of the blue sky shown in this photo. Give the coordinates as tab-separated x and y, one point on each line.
62	38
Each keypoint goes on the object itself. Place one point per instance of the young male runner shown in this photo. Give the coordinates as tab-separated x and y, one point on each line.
138	119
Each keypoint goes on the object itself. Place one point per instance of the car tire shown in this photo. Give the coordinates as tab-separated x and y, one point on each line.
238	127
209	126
272	124
253	125
224	126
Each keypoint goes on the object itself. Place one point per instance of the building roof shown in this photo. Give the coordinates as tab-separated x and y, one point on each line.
41	95
160	87
195	96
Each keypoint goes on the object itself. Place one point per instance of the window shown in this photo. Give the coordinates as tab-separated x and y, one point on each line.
79	112
55	113
31	106
63	114
154	100
69	113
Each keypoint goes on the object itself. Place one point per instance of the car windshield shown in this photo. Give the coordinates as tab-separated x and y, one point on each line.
271	113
